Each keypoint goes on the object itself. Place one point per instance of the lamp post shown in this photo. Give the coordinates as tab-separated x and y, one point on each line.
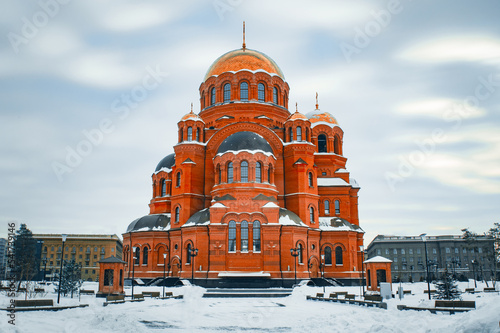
323	270
133	269
474	263
164	257
295	253
192	253
426	265
61	267
362	249
44	260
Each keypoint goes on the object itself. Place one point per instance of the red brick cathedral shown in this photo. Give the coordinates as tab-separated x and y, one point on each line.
248	185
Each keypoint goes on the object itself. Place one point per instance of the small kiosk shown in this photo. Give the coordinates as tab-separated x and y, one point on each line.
378	270
111	276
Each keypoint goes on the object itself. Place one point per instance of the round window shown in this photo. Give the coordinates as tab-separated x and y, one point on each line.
313	246
175	247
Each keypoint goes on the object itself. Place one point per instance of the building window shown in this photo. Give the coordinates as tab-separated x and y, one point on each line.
136	259
232	236
202	100
328	255
227	92
410	251
338	256
188	254
244	236
219	174
275	95
402	251
300	253
456	250
307	134
269	170
95	249
379	252
395	251
177	213
480	250
322	143
230	172
311	183
311	214
336	146
290	135
261	92
212	96
181	132
244	91
256	236
108	276
327	207
299	133
337	207
434	251
121	276
198	134
178	179
145	255
244	172
190	134
163	187
258	172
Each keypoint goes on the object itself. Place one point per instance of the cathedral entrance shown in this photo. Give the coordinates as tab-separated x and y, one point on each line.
176	266
314	267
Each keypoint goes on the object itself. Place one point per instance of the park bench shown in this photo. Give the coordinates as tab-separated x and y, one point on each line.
489	290
114	299
373	298
350	296
444	306
433	291
39	290
320	295
87	292
405	292
151	293
470	290
18	303
137	298
169	294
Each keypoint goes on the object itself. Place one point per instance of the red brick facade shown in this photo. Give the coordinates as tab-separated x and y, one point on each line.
248	182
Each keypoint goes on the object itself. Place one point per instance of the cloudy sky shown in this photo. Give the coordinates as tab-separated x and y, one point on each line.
91	93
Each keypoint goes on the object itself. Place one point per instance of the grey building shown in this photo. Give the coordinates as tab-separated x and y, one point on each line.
461	258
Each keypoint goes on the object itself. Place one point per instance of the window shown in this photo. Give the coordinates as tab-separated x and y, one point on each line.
145	255
395	259
181	132
328	255
202	100
178	179
81	248
480	250
290	134
395	251
190	134
386	251
137	255
244	172
198	134
230	172
311	183
418	251
121	276
299	133
261	92
177	213
256	236
232	236
188	254
464	250
327	207
336	147
410	251
311	214
456	250
402	251
244	91
337	207
227	92
219	174
163	187
275	95
322	143
244	236
258	172
447	250
269	170
338	256
73	250
212	96
379	252
95	249
300	253
435	252
108	276
307	134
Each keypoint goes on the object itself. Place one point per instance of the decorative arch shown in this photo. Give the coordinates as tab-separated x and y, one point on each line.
313	266
300	245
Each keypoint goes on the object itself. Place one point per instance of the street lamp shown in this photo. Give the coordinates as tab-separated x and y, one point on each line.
295	253
474	263
44	260
133	269
164	257
323	270
61	268
362	249
192	253
426	264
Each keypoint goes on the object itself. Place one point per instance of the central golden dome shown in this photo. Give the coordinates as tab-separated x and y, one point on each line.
244	58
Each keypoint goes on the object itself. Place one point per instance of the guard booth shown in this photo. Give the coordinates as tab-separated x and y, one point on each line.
378	269
111	276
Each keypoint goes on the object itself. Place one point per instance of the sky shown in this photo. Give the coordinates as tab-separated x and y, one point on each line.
90	94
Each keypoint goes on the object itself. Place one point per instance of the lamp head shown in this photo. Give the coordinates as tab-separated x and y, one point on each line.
423	237
64	236
164	256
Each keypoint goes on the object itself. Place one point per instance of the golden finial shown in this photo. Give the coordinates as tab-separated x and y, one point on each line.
244	45
191	107
317	105
296	107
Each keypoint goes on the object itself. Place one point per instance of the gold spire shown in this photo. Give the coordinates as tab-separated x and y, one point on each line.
296	107
317	105
191	107
244	45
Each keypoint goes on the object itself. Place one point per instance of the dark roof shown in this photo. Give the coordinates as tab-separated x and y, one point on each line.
113	259
291	215
150	222
167	162
244	140
200	217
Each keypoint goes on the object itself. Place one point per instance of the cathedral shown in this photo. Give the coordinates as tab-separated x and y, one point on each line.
253	192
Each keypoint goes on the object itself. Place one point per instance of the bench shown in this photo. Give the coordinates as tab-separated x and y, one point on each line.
114	299
405	292
350	296
373	298
489	290
39	290
151	293
137	298
18	303
433	291
86	292
320	295
455	304
444	306
470	290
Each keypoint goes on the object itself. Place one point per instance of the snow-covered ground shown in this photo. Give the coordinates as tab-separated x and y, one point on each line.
289	314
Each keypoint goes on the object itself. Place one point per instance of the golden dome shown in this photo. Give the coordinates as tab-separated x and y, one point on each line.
317	116
240	59
297	115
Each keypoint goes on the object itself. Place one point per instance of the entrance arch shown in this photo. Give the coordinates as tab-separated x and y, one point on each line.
175	266
314	267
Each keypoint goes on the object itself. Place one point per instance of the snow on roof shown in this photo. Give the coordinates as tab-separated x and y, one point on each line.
332	182
377	259
324	123
235	152
244	274
271	204
354	183
341	170
327	223
286	220
218	204
167	170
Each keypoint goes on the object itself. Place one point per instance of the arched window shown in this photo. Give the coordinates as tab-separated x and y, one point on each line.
256	236
244	172
300	252
161	251
261	92
212	96
188	254
232	236
311	214
190	134
227	92
178	179
198	134
337	207
202	100
299	133
269	172
336	148
290	134
275	95
181	135
244	236
177	213
219	180
328	255
230	172
322	143
137	255
244	91
145	255
163	187
258	172
285	98
338	256
327	207
307	134
311	182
